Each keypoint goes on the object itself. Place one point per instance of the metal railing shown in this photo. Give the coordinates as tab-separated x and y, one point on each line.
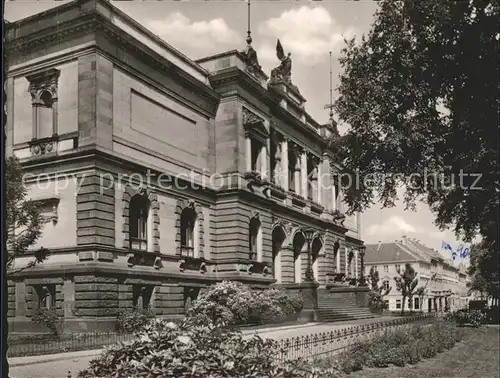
295	347
35	345
317	344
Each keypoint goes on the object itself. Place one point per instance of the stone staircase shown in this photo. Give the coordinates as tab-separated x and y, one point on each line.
336	305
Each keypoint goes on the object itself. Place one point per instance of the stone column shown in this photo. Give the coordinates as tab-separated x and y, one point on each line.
68	291
303	173
277	169
263	161
20	295
248	153
319	182
54	116
334	196
296	173
284	164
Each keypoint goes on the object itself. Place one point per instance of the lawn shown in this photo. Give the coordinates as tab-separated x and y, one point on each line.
477	355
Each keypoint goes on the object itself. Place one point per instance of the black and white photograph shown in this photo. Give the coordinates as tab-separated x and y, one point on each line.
251	189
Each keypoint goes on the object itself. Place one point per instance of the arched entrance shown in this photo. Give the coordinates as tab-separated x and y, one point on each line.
278	237
316	248
299	242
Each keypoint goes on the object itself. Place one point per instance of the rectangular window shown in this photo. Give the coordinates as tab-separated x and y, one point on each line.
398	304
256	149
386	303
398	268
417	303
386	268
142	296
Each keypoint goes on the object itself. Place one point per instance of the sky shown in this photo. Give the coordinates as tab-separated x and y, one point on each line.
307	29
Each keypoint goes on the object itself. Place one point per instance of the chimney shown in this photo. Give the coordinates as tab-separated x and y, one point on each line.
404	240
379	245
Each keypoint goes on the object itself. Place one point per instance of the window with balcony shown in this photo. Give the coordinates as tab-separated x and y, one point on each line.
139	214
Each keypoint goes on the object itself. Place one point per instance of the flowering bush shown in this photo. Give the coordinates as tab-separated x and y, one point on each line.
49	319
131	321
233	303
464	316
400	347
194	350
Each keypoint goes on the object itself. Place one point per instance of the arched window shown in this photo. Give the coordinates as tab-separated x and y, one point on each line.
188	223
299	242
254	231
45	116
139	211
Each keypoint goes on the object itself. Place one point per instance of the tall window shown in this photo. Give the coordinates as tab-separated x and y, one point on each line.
398	304
398	268
417	303
254	238
188	222
256	150
139	209
385	285
386	268
43	89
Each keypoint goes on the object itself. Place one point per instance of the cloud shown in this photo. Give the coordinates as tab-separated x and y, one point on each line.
395	225
180	31
309	33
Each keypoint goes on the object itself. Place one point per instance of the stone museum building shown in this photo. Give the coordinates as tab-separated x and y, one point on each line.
159	175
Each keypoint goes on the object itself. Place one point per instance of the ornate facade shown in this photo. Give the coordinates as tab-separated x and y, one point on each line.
164	175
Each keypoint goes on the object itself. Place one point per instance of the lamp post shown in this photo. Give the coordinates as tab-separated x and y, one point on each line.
362	251
309	235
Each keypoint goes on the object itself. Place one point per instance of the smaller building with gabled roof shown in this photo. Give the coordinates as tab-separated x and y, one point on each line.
445	284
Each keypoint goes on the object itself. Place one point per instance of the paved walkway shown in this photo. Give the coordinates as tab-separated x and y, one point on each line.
58	365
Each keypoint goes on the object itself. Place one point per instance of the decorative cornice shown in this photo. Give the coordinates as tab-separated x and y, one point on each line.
94	22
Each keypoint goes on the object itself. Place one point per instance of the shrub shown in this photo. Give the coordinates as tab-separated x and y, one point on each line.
49	319
400	347
233	303
133	321
462	317
376	302
193	350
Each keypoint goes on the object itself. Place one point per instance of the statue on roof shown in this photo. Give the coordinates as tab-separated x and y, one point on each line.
284	71
251	60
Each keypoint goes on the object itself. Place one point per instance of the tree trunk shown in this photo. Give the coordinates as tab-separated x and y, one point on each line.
403	306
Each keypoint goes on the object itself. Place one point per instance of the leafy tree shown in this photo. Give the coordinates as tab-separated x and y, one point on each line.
406	284
483	270
420	94
24	221
376	295
374	279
